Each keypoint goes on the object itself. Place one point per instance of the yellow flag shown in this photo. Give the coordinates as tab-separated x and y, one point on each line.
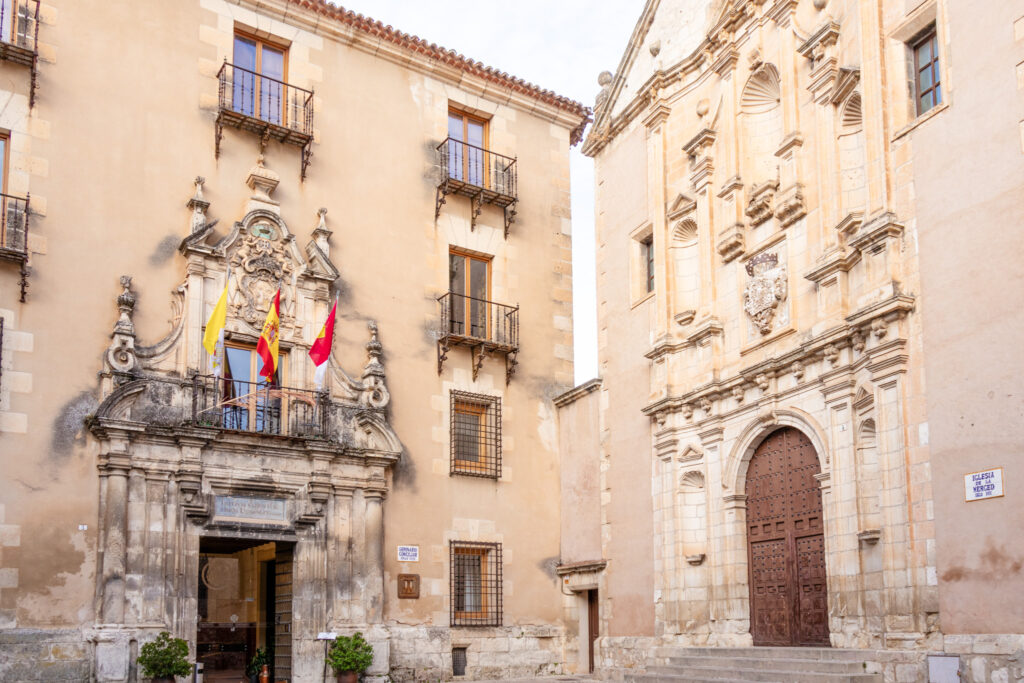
215	325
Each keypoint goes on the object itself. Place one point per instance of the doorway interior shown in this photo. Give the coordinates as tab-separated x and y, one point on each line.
244	607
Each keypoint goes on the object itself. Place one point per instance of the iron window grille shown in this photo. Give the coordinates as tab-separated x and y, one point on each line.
647	249
458	661
475	584
475	435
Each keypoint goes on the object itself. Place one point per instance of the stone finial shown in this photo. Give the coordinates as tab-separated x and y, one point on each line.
604	79
262	181
655	48
375	394
121	352
703	107
321	234
819	4
126	304
198	206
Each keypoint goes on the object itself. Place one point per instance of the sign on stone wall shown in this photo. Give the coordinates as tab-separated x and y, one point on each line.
408	553
247	508
983	485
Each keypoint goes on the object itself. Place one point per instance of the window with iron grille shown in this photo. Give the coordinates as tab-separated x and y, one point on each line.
647	253
475	435
458	661
475	584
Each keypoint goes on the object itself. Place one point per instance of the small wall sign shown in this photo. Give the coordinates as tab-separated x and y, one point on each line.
246	508
408	553
983	485
409	586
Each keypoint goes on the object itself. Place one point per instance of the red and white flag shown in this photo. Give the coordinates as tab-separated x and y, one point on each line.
320	351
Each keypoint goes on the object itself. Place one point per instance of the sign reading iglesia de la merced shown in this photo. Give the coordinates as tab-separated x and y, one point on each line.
287	347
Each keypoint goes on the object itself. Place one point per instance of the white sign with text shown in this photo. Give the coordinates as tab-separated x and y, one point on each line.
982	485
408	553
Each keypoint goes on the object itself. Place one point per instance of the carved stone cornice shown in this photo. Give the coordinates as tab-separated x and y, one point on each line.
699	144
831	347
658	114
850	224
839	260
759	206
725	61
877	230
731	242
790	206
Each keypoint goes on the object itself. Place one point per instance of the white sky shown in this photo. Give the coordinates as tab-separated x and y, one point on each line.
560	45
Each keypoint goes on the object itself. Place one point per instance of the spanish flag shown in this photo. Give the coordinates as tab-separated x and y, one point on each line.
268	344
213	338
320	351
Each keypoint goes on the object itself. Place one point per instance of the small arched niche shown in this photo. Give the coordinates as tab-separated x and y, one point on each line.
760	106
852	156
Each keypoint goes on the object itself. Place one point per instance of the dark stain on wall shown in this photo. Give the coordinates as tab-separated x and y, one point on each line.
995	565
549	565
404	472
165	250
69	425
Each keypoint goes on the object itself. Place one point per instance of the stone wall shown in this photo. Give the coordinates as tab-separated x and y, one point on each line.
423	653
44	655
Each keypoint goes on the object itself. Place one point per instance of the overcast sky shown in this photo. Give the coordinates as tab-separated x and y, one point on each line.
560	45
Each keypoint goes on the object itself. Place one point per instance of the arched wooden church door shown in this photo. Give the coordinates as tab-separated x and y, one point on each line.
786	543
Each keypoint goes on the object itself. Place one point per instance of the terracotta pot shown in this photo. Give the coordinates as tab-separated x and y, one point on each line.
348	677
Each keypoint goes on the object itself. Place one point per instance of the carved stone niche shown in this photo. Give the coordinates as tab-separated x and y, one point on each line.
759	206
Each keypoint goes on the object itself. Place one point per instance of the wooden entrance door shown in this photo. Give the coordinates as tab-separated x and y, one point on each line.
786	543
592	626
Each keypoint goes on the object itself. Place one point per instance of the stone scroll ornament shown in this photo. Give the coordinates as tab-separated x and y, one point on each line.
765	290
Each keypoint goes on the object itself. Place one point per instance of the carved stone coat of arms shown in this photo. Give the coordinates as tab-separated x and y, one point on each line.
765	291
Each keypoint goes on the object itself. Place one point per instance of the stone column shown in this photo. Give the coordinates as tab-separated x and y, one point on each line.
115	467
374	562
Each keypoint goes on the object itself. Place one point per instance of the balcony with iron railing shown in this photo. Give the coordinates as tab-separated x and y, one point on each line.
19	36
258	408
14	235
264	106
484	176
486	327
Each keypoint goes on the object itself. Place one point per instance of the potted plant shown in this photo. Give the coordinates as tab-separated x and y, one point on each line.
256	664
165	658
349	657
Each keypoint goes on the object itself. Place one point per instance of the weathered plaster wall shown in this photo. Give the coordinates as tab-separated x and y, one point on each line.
623	335
119	147
968	216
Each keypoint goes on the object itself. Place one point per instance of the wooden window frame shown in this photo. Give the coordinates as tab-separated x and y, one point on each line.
254	361
262	42
485	145
929	37
467	304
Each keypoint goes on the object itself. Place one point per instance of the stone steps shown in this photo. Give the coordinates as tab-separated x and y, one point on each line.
761	664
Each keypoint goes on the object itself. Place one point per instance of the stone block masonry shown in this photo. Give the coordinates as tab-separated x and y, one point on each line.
44	655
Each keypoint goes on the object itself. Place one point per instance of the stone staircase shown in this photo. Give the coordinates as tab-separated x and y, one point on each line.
767	664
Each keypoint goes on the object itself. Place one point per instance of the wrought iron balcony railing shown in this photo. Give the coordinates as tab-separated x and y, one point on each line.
258	408
19	37
265	106
14	234
484	176
485	326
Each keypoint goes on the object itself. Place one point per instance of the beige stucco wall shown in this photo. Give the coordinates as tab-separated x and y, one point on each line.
969	214
109	155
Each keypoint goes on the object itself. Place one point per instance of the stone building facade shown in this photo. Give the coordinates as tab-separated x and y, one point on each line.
767	177
164	150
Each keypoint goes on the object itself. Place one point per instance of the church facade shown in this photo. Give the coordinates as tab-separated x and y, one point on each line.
761	172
